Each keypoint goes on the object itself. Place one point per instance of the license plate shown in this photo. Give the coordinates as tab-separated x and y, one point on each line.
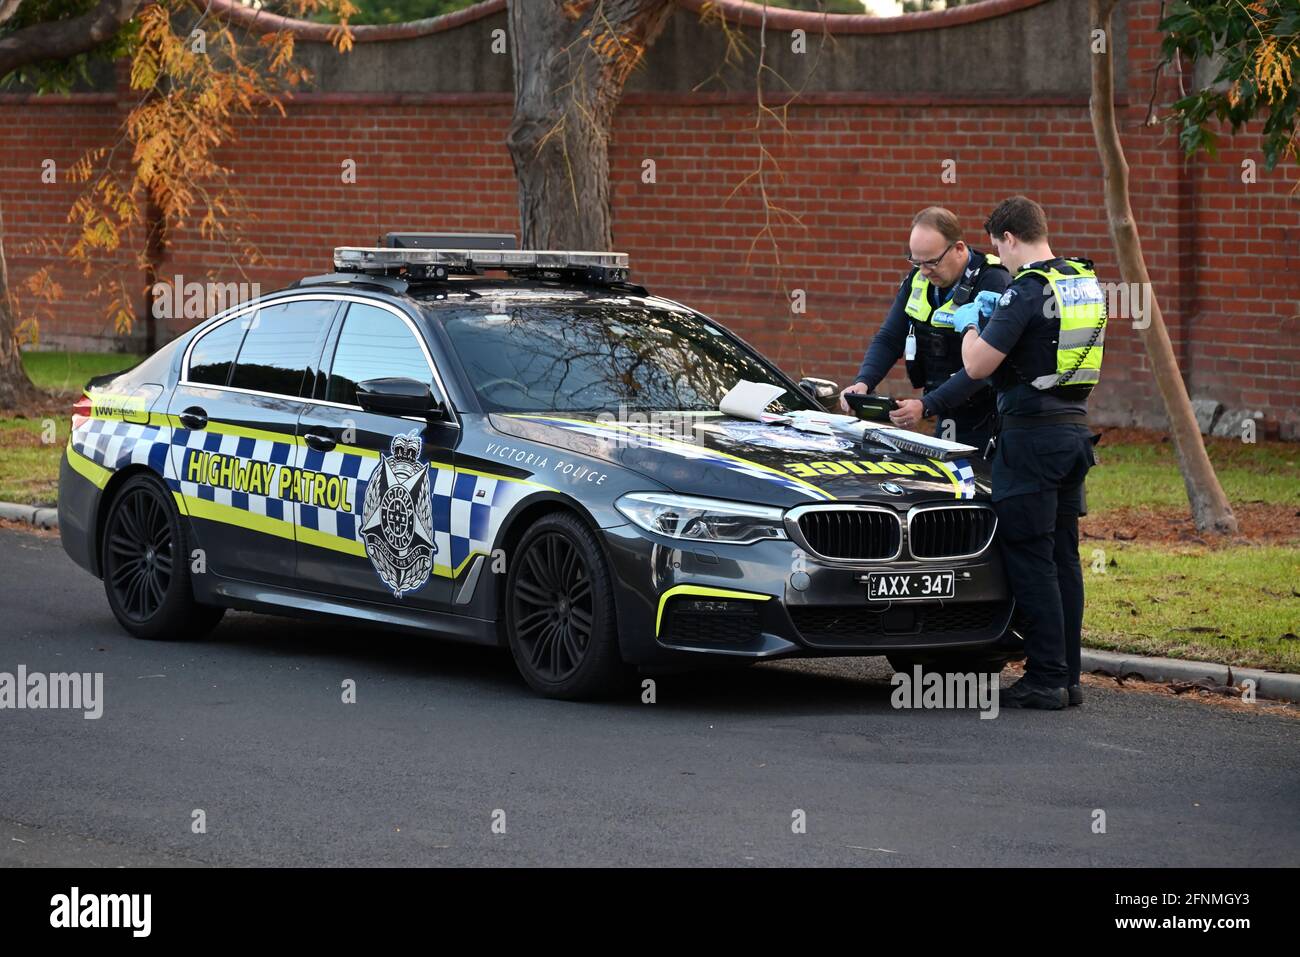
909	586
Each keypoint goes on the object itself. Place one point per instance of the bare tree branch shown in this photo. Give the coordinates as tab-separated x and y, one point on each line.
60	39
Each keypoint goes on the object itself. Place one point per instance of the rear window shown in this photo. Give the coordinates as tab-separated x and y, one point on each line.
215	352
282	342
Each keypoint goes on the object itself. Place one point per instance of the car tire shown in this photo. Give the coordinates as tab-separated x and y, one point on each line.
953	662
559	613
145	560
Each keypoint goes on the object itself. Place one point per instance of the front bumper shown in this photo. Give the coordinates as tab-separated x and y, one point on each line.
771	599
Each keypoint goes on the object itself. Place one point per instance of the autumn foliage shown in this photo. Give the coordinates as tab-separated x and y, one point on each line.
193	78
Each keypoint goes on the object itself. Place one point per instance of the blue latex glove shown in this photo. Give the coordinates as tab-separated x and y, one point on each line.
987	301
963	317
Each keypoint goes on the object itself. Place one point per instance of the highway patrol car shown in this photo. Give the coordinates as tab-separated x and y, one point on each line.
522	449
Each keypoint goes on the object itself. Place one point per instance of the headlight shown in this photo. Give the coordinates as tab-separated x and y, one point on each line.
701	519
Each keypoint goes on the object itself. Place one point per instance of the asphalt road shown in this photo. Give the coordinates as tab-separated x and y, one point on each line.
249	726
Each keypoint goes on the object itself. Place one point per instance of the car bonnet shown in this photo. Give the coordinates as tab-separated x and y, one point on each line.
719	457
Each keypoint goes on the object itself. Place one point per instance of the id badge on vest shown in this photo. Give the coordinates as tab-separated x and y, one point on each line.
909	347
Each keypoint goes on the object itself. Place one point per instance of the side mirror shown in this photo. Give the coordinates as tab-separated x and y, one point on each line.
820	389
398	396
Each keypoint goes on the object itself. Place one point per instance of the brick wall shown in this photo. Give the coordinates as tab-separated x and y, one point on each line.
853	168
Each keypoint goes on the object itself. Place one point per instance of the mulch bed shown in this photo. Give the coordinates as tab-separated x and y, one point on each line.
1258	522
55	407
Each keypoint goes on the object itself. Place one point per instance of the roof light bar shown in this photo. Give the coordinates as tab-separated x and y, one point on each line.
439	263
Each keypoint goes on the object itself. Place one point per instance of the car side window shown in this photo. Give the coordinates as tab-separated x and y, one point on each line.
374	344
215	352
283	341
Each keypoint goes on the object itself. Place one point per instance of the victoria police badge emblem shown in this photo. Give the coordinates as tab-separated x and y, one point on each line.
397	517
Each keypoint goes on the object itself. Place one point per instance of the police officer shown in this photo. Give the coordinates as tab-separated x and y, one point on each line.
1042	346
946	275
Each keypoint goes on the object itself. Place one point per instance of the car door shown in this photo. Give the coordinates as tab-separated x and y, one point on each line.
236	412
384	536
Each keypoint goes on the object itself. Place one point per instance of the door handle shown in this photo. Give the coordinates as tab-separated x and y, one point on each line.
194	418
320	440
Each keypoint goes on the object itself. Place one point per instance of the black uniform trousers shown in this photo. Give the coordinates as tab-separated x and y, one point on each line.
1038	476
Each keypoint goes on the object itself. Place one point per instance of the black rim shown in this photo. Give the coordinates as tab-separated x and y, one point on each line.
140	554
552	605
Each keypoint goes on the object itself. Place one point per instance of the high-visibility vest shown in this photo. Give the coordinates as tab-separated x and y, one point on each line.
1080	304
937	346
918	300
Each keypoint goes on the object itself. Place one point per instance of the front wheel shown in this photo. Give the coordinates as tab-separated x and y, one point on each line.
559	611
146	565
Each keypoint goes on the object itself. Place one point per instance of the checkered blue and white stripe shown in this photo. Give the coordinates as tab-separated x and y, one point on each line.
116	443
964	472
475	507
467	508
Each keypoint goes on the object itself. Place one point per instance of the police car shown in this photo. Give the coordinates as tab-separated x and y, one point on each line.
523	449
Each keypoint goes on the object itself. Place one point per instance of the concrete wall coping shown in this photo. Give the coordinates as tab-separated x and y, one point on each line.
780	18
261	22
741	12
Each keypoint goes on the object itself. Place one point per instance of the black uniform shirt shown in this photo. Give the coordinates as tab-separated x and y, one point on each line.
1021	313
888	344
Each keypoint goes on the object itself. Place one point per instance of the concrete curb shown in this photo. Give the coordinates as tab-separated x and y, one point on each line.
31	514
1268	684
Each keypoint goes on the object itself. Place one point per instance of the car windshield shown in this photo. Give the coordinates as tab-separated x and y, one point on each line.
556	357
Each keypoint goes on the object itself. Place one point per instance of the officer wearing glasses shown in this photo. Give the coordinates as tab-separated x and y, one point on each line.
946	275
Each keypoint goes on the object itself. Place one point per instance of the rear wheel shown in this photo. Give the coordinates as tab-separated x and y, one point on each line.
559	611
146	565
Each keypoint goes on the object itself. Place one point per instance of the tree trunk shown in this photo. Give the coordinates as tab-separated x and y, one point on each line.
15	388
1210	509
571	61
50	40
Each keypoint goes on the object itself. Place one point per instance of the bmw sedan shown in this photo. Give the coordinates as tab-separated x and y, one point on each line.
534	460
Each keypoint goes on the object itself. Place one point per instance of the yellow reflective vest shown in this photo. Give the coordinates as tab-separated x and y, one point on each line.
1080	303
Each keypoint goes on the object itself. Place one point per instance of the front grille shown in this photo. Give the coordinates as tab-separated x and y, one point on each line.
950	532
711	622
860	626
849	534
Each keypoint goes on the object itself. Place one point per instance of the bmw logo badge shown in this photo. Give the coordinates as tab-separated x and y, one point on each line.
891	488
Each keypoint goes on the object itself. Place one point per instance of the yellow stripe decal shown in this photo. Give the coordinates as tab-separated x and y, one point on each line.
311	536
450	572
222	428
229	515
658	438
704	592
97	475
952	476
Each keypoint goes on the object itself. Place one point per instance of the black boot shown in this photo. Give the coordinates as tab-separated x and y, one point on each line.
1028	694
